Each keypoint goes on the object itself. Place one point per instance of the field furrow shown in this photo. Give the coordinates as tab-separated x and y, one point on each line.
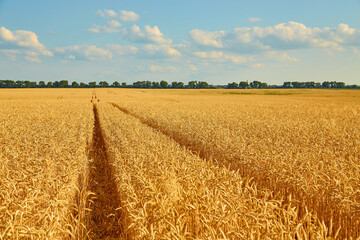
167	192
104	218
312	157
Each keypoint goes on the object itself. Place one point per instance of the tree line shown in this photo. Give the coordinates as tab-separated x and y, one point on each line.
164	84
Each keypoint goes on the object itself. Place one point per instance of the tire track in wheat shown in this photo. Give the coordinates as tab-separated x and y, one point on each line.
339	222
104	219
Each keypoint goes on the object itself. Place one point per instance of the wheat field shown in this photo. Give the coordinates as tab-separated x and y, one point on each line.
179	164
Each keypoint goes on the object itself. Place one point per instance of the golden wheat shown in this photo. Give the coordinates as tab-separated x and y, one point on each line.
179	164
42	153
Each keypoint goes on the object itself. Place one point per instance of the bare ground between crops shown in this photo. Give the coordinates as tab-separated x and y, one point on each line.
104	219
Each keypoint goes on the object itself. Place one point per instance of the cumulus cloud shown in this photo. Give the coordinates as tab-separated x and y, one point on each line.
84	52
205	38
281	56
22	42
252	20
162	51
129	16
221	57
148	51
284	36
122	50
157	68
112	26
107	13
148	35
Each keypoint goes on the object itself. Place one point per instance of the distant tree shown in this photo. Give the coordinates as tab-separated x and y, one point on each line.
56	84
263	85
255	84
41	84
64	83
192	84
139	84
163	84
83	85
19	84
203	85
325	84
103	84
177	85
33	84
123	84
27	84
92	84
155	85
116	84
49	84
243	84
340	85
286	85
74	84
174	85
232	85
180	85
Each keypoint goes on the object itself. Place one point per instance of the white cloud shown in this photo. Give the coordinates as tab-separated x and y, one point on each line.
160	51
157	68
107	13
112	26
252	20
281	56
123	50
22	42
284	36
148	51
221	57
205	38
32	59
149	35
84	52
129	16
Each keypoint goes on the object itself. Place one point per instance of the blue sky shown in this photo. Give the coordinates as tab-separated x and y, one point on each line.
213	41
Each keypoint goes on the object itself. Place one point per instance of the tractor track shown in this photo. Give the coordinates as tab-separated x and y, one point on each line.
326	209
104	219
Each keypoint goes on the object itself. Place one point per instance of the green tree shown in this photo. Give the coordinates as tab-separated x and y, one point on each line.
83	85
27	84
19	84
116	84
92	84
103	84
203	85
74	84
174	84
325	84
64	83
155	85
49	84
243	84
180	85
286	85
123	84
232	85
42	84
192	84
163	84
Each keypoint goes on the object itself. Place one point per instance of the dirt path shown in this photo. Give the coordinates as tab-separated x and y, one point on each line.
104	220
